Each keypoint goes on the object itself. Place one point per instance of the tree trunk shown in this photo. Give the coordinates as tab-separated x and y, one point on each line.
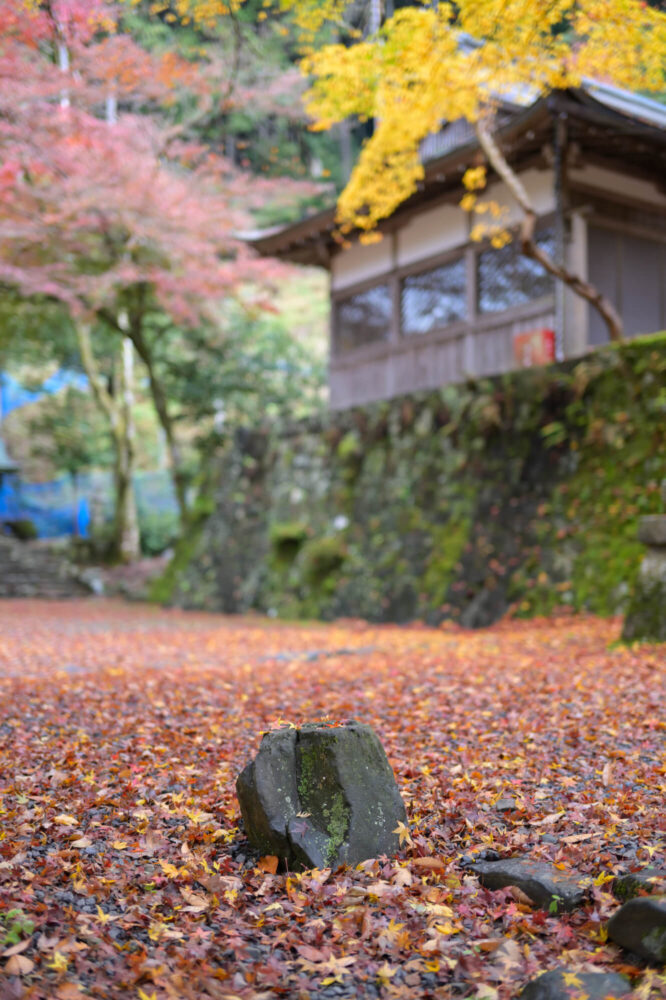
118	410
126	534
161	404
529	247
125	522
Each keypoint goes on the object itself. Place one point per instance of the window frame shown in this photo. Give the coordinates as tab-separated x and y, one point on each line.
411	271
475	321
543	224
343	295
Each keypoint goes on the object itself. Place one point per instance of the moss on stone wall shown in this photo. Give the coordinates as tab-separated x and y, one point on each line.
521	491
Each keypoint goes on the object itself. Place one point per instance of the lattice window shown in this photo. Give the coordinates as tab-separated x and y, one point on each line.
364	318
507	278
432	299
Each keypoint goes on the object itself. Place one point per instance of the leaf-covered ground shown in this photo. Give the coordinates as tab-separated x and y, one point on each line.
123	871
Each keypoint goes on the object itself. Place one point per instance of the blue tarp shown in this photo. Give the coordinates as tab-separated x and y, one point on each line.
57	509
61	507
13	395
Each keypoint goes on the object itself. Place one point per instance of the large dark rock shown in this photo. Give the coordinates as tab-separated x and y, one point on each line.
640	926
644	880
547	886
558	985
321	796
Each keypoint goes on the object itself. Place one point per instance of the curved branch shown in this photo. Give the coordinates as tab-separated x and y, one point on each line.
528	245
135	334
100	392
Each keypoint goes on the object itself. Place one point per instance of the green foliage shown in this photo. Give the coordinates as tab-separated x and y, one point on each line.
22	528
448	543
321	558
162	588
69	433
253	369
158	530
14	927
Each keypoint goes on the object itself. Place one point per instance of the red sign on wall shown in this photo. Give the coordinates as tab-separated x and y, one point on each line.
534	347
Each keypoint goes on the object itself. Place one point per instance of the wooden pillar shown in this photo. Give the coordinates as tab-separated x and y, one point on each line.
469	353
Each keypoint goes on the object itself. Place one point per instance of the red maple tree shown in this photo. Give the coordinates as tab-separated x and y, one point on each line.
109	209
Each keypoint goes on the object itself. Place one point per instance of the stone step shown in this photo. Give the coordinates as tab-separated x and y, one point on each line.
30	569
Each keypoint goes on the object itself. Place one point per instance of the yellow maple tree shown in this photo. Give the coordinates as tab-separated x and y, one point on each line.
430	64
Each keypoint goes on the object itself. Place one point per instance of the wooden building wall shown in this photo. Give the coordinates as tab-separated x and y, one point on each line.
616	235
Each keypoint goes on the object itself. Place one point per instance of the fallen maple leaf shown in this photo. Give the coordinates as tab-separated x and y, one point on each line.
433	864
19	965
16	949
402	877
269	864
404	835
385	973
64	819
59	962
196	902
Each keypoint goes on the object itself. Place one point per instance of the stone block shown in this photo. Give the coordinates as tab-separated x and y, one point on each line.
545	884
563	984
640	926
321	796
652	530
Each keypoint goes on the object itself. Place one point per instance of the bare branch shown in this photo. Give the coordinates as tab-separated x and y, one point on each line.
530	248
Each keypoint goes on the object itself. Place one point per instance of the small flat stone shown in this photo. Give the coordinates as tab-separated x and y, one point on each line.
640	926
652	530
558	985
547	886
506	804
631	884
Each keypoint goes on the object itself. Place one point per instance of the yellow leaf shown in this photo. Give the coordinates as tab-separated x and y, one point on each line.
385	973
65	820
403	833
82	842
447	928
59	962
119	845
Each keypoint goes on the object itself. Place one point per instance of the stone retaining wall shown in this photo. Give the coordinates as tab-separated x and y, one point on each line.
520	492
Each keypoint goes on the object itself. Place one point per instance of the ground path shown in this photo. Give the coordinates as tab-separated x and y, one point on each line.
122	728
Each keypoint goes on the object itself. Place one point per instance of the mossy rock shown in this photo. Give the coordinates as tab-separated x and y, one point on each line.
321	558
321	796
640	926
22	528
287	538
